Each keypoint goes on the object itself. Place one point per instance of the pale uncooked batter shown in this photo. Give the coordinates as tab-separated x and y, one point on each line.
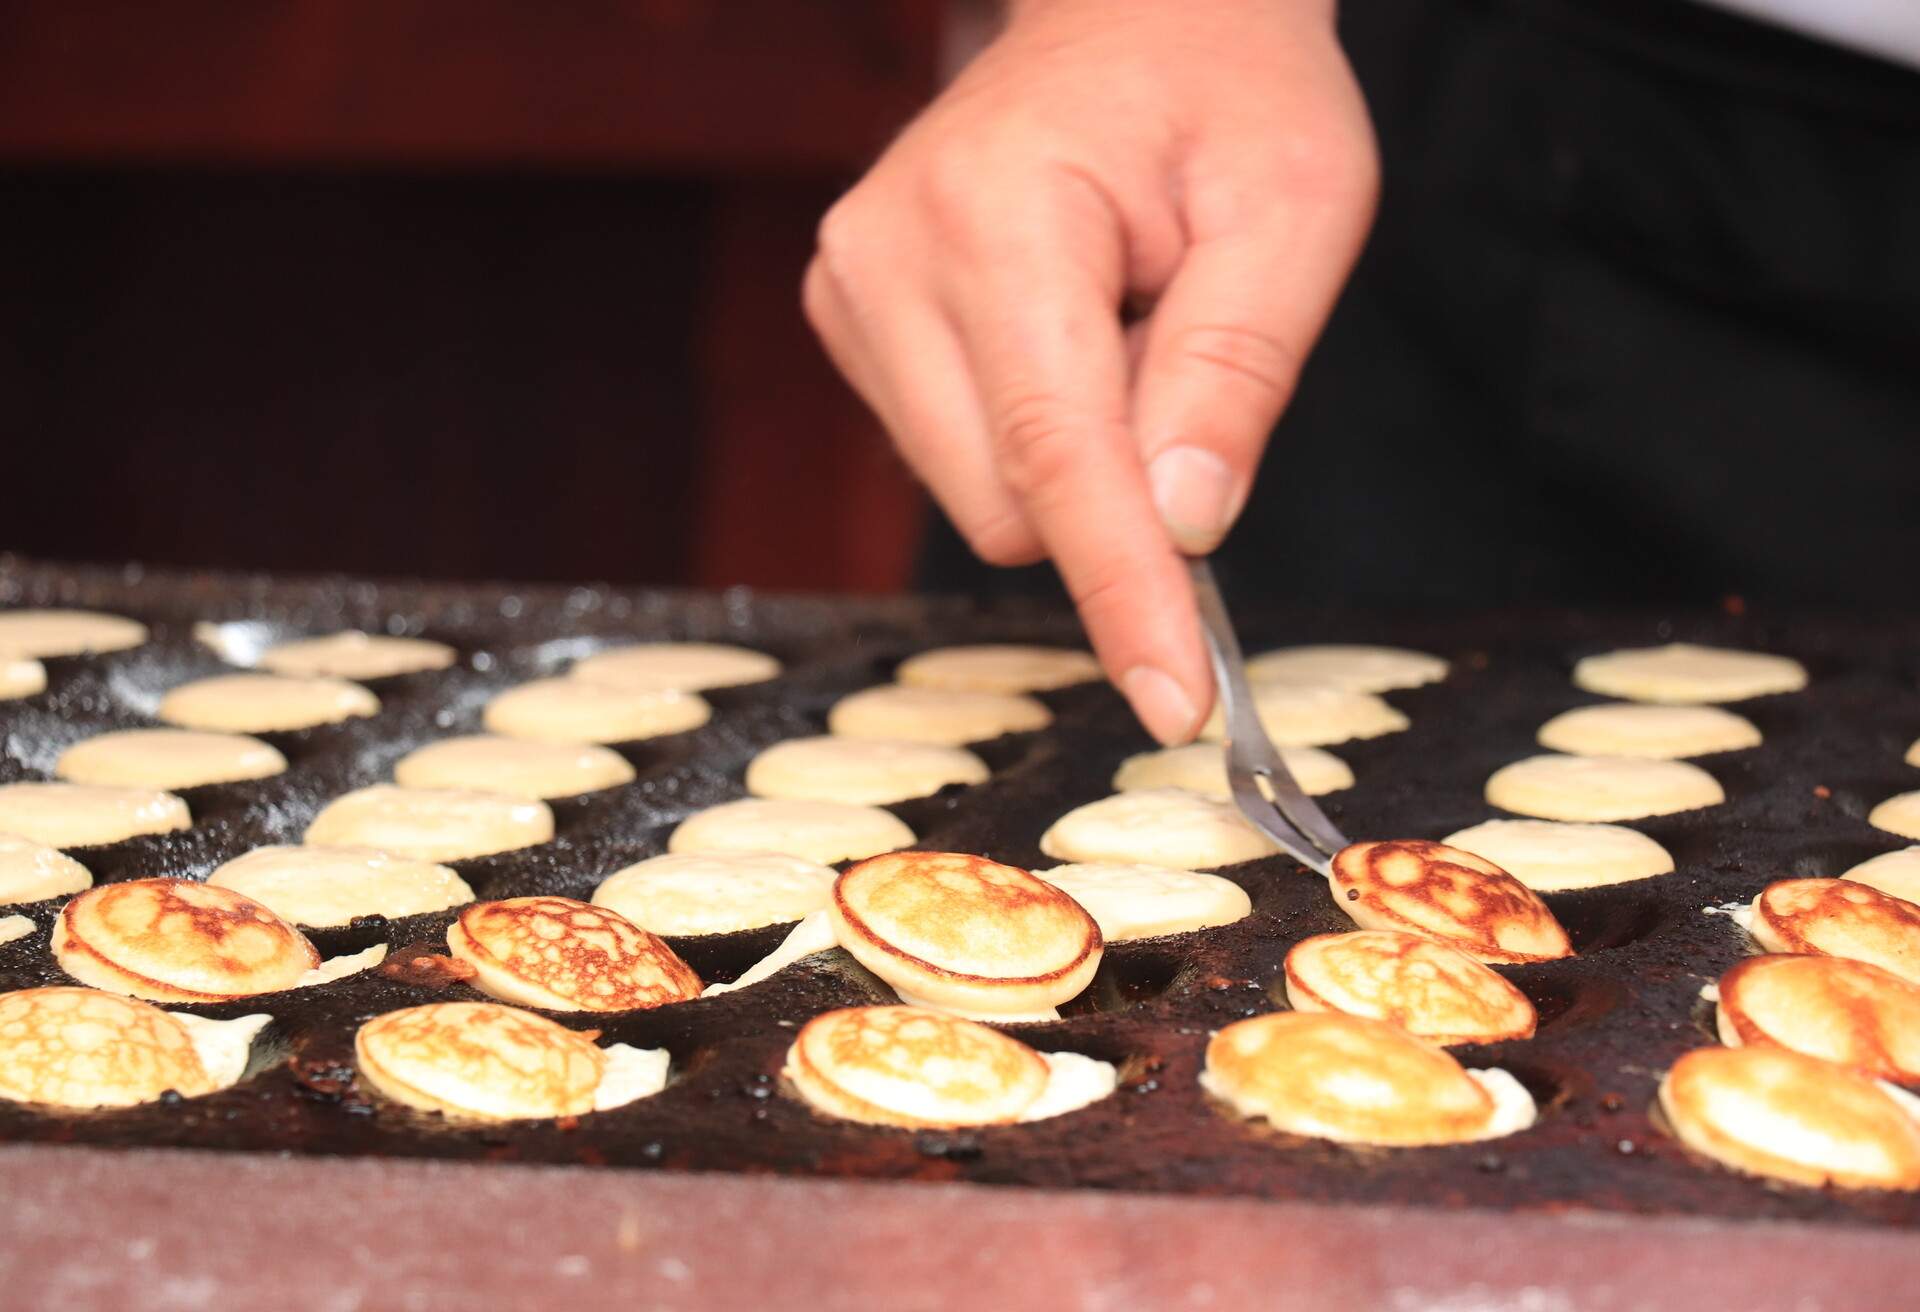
825	832
85	815
1684	672
717	892
431	824
1551	856
1354	668
66	633
356	655
519	767
865	771
1666	733
21	676
327	886
264	703
33	872
575	711
1167	827
676	667
168	758
1202	768
1898	815
1601	787
990	667
1309	715
926	715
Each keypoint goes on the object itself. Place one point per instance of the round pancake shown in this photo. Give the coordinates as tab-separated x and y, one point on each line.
575	711
992	667
517	767
1425	988
66	633
1839	918
1202	768
1665	733
913	1067
329	886
1145	901
86	815
926	715
564	955
81	1048
1447	895
430	824
1848	1012
1894	873
1588	788
1355	668
676	667
1310	715
172	940
21	676
1352	1080
1771	1112
356	655
863	771
822	832
1167	827
479	1061
34	872
1898	815
1685	673
264	703
168	758
1913	753
717	892
964	932
1553	856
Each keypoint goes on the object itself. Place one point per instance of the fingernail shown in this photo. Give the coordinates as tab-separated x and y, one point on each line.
1193	491
1161	703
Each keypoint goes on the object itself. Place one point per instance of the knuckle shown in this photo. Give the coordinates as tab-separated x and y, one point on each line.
816	298
1035	442
1102	593
1254	355
841	237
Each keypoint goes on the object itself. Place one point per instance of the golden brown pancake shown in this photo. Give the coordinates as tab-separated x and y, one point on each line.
564	955
86	815
1425	988
168	758
1352	1080
66	633
1453	897
1773	1112
1827	1007
173	940
356	655
264	703
965	933
479	1061
68	1047
1839	918
913	1067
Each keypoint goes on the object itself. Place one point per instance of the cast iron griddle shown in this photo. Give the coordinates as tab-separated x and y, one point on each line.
1611	1020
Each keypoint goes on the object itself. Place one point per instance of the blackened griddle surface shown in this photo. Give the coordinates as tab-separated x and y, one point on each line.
1612	1019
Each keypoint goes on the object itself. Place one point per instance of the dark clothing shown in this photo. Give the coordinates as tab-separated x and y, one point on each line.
1639	321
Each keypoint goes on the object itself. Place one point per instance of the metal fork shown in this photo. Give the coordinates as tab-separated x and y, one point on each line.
1289	817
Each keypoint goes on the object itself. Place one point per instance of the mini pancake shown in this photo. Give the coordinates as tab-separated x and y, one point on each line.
1772	1112
927	715
21	676
564	955
1553	856
86	815
1898	815
863	771
1665	733
1310	715
168	758
1425	988
1839	918
1351	667
1589	788
964	933
479	1061
172	940
1447	895
823	832
81	1048
13	928
1913	753
1167	827
575	711
1896	874
264	703
1145	901
717	892
66	633
1686	673
34	872
676	667
1847	1012
356	655
431	824
1352	1080
518	767
913	1067
1202	768
328	886
990	667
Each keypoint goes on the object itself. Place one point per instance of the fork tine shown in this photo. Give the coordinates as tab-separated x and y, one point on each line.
1289	817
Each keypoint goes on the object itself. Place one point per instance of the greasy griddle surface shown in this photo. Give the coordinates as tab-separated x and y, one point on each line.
1612	1019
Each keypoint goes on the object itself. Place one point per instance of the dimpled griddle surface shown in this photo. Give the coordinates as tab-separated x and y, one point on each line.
1611	1020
